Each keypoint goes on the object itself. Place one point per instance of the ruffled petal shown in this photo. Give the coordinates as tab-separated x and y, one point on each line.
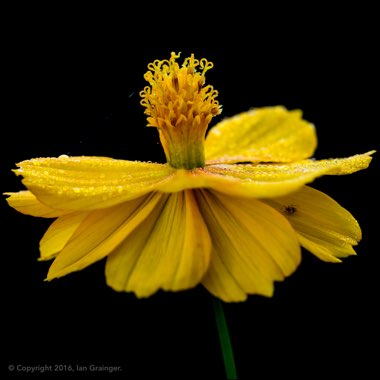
271	134
86	183
27	203
324	227
253	245
100	233
170	250
262	180
59	233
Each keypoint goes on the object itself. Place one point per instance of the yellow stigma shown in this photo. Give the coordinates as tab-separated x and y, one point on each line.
180	105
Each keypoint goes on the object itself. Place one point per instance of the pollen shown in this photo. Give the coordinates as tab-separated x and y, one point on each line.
180	105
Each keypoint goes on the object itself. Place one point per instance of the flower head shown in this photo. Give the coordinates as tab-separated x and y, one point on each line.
230	211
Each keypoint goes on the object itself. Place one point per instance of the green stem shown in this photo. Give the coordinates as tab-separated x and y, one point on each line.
225	341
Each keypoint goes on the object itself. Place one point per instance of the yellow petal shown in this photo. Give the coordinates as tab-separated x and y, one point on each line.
271	134
26	203
324	227
100	233
262	180
59	233
170	250
85	183
253	245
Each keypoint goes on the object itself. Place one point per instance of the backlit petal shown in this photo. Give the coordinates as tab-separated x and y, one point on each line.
271	134
100	233
27	203
262	180
170	250
253	245
85	183
324	227
59	233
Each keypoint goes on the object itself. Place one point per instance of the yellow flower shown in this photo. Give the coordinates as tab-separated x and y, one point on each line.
230	211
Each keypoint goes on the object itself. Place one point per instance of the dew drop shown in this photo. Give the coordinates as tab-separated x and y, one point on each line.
63	157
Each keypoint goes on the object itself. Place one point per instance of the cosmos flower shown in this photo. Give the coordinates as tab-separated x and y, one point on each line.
229	211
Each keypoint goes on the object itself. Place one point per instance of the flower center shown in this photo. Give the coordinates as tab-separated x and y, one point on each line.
180	105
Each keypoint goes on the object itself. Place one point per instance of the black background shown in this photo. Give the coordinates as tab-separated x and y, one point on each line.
61	95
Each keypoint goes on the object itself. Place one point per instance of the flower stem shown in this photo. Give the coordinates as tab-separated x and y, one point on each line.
225	341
